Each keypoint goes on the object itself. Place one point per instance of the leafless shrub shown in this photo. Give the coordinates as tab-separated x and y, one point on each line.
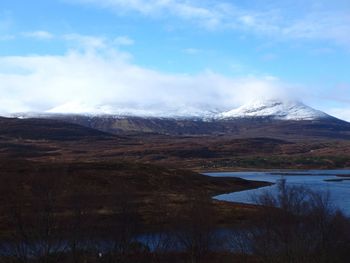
297	225
125	227
195	228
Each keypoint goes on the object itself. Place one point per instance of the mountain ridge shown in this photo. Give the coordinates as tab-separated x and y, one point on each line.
273	119
276	109
273	109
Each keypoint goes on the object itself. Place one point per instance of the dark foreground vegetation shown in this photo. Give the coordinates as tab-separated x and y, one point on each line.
56	212
109	218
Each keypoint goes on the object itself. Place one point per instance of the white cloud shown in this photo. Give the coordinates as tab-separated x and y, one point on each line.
99	77
40	35
85	42
161	8
123	41
306	21
321	25
93	76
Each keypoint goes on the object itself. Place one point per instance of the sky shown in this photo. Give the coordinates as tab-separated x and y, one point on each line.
172	55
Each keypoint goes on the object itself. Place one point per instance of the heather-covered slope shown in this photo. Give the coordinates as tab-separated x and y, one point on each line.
46	129
237	127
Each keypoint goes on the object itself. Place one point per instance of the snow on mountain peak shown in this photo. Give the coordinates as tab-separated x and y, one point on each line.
275	109
148	111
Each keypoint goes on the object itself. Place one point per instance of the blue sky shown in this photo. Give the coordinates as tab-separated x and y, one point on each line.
151	53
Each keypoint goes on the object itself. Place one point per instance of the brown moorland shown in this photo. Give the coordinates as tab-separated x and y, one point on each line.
58	178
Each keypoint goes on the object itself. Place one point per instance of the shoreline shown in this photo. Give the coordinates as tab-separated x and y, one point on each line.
237	170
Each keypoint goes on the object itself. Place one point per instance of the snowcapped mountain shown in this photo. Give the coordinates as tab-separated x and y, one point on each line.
148	111
274	109
270	118
271	109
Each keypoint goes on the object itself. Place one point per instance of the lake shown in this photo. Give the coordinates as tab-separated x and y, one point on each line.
316	180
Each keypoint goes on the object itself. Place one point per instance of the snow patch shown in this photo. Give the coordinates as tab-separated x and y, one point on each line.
275	109
136	111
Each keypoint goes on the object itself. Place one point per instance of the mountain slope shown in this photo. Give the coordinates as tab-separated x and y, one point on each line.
233	127
272	118
275	109
47	129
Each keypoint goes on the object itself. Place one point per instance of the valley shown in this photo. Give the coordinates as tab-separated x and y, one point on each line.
92	177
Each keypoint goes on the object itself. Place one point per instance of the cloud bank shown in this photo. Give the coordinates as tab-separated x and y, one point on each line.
100	79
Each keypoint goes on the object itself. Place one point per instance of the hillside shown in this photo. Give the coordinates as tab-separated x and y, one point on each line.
288	120
98	188
275	109
46	129
326	128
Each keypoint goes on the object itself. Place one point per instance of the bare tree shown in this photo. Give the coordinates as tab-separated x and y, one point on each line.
45	224
77	230
125	225
195	227
160	240
295	225
15	211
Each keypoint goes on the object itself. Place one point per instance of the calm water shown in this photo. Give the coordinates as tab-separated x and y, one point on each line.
314	179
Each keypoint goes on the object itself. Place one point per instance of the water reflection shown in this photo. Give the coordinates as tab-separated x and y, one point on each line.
316	180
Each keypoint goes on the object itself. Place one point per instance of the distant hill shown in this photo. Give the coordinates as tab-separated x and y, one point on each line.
271	118
236	127
47	129
276	110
